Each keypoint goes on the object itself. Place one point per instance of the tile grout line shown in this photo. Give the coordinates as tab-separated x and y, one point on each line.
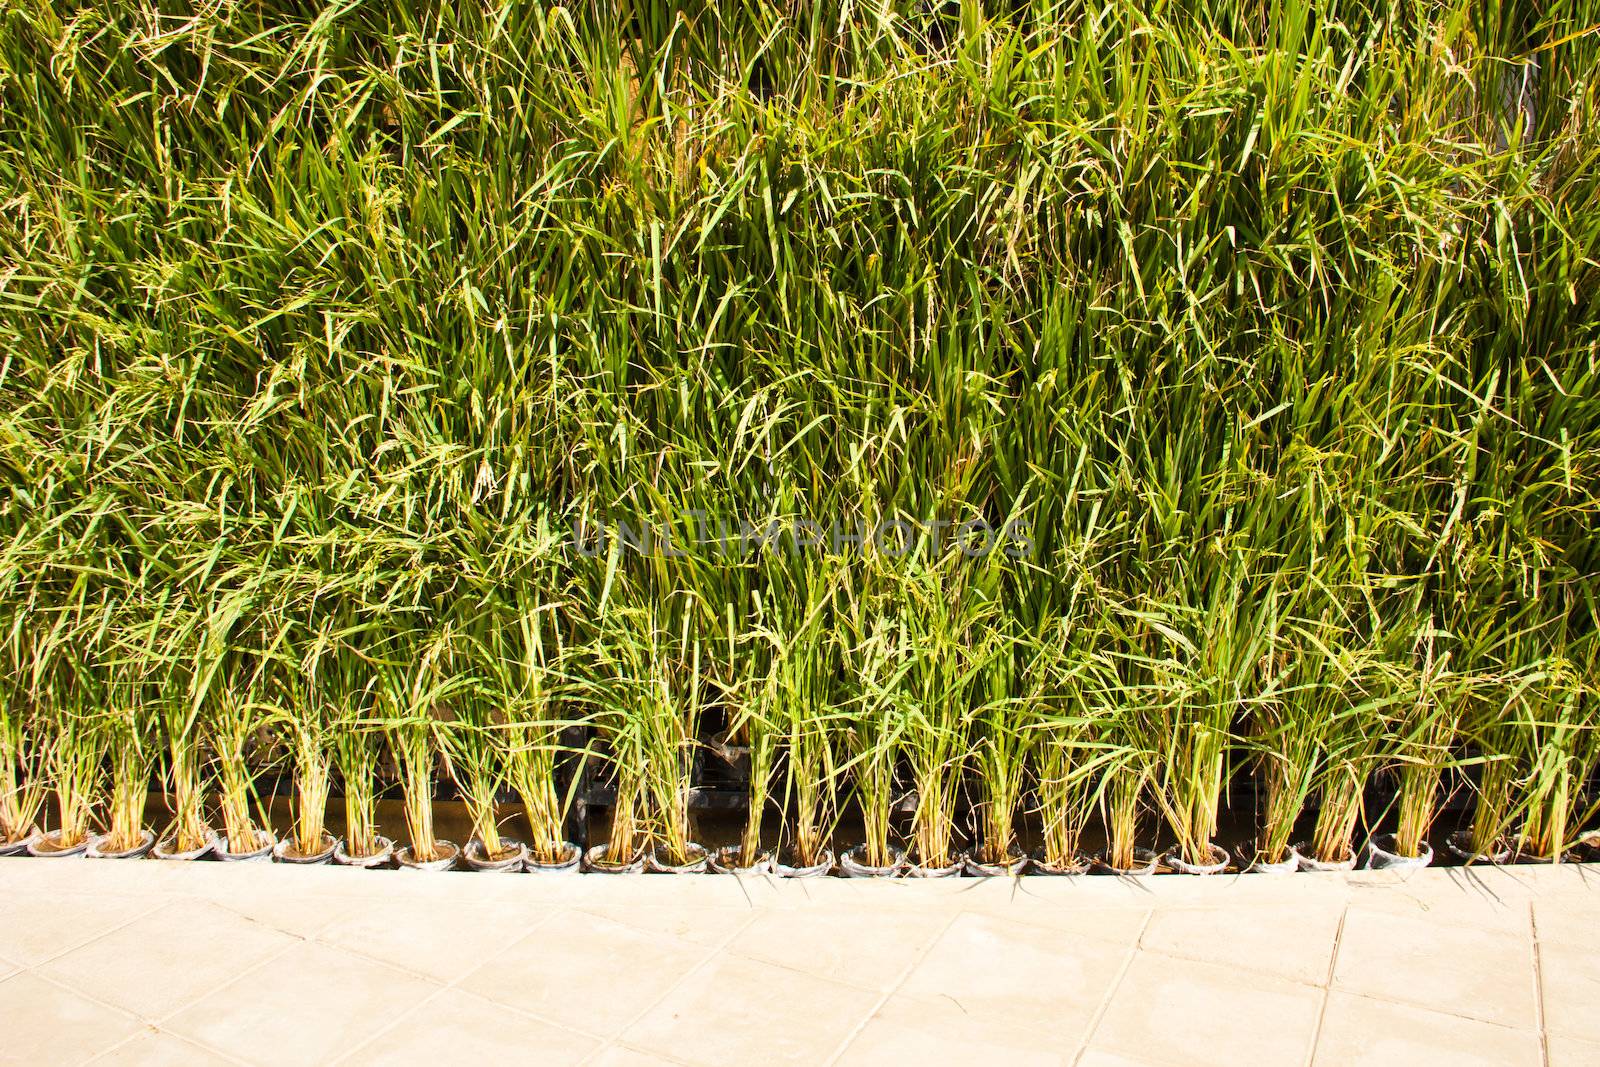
151	1027
719	949
883	997
455	984
1327	987
1538	987
1116	984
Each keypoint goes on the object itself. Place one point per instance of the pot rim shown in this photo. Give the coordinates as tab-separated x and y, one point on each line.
719	864
36	849
385	854
815	870
472	856
163	848
699	860
1173	860
1309	863
1016	863
281	854
443	863
1147	858
852	867
1080	865
266	842
1393	860
147	841
574	859
594	860
1459	844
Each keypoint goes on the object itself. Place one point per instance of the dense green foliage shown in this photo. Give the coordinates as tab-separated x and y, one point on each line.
1274	323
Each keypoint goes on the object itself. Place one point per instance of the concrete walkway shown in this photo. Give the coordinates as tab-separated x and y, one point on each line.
144	962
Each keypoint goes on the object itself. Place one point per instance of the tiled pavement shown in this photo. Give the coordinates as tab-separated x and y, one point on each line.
151	963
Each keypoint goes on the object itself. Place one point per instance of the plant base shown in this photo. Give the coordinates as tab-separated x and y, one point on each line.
265	843
697	862
852	865
571	859
448	852
598	859
1460	845
47	846
1216	864
513	855
1013	866
285	852
97	849
730	860
380	857
1381	855
1145	863
167	848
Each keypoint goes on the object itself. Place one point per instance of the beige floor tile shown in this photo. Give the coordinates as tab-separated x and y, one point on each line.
1120	924
1231	1016
156	1048
709	926
1294	943
1454	969
1568	1051
745	1011
590	971
623	1056
309	1005
1360	1030
302	915
1099	1057
43	1023
1568	920
1009	973
439	942
162	961
1488	899
926	1031
1569	978
458	1027
858	946
36	926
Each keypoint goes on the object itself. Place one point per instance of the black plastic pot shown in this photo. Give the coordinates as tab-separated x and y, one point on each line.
1460	845
97	847
42	846
451	852
569	863
698	862
511	863
381	858
598	860
167	849
285	852
20	845
265	843
851	866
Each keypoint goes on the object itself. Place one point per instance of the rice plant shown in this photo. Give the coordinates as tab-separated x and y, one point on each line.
1232	367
